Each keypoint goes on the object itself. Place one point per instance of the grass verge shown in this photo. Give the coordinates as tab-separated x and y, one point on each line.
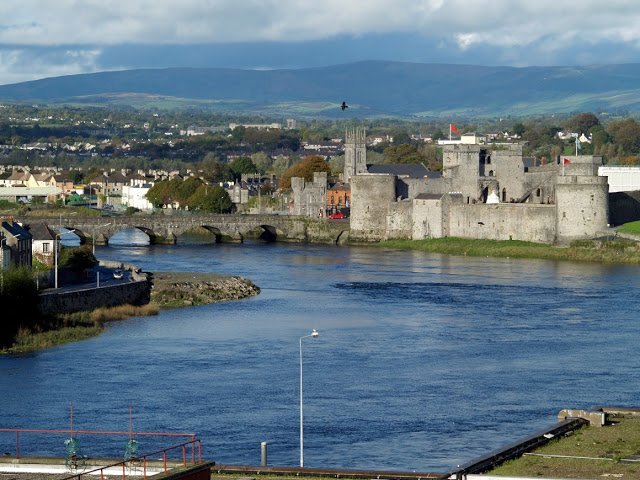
587	453
604	251
631	227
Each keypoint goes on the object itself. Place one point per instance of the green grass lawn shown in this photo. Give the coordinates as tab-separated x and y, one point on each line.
590	452
631	227
605	251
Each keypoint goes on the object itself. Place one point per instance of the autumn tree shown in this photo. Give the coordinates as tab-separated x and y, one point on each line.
626	135
213	170
582	123
305	169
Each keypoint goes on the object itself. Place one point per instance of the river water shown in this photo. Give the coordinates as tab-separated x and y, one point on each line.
423	361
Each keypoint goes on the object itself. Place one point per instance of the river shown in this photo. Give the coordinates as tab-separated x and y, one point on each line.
423	361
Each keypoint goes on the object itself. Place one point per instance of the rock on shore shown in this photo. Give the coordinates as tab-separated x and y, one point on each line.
187	289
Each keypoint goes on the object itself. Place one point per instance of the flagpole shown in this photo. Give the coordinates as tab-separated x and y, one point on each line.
449	132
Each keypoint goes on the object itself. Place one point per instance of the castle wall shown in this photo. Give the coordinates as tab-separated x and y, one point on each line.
541	183
508	169
371	198
399	220
355	154
427	219
505	221
582	207
460	170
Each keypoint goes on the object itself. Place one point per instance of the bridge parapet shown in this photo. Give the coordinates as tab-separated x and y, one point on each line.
165	229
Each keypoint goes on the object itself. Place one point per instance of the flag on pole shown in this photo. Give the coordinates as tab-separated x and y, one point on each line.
453	128
566	160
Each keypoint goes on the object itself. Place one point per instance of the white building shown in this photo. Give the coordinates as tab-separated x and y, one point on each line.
621	178
136	196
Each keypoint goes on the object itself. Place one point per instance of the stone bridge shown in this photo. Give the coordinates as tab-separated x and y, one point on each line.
164	229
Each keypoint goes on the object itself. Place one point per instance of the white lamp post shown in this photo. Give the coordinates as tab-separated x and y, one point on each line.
93	236
314	333
4	239
55	253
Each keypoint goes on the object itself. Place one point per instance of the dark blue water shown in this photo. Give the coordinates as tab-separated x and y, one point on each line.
423	361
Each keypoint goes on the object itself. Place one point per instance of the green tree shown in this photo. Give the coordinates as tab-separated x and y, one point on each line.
19	300
242	165
305	169
214	199
262	161
77	258
280	165
404	153
518	129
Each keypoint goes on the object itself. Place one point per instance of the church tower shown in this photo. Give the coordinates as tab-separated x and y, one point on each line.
355	153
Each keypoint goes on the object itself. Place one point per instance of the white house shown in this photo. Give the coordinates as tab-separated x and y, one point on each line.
136	196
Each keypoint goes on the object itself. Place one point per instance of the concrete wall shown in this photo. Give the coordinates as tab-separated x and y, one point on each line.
582	207
507	221
134	293
621	178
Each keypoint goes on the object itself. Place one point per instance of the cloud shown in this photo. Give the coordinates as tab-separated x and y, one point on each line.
40	38
23	64
493	22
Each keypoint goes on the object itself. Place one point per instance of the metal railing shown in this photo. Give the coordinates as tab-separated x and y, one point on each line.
20	432
143	460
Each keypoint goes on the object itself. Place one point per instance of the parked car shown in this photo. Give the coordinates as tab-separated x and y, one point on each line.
118	274
337	216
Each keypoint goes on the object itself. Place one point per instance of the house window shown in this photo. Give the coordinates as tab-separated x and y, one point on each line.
333	200
45	248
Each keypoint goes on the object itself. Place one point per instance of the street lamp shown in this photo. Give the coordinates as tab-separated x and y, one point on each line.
55	253
4	239
93	236
314	333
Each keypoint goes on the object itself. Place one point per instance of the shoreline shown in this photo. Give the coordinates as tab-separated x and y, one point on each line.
188	289
169	290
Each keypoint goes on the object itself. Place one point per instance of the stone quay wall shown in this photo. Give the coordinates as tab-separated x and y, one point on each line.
135	292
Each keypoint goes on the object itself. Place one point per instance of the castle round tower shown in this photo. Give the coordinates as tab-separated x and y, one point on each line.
582	207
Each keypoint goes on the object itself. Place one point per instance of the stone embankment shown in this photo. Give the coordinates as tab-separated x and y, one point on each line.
173	289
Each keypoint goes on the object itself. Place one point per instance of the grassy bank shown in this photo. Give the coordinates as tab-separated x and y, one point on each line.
604	251
73	327
632	227
587	453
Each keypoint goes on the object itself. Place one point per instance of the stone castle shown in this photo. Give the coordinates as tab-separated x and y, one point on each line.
484	192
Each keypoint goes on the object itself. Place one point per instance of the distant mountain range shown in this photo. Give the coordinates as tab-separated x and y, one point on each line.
370	88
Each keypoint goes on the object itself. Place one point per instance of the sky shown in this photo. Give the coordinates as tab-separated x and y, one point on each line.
49	38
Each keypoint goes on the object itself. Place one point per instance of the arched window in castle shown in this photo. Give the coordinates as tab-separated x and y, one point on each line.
491	173
504	194
538	193
488	159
